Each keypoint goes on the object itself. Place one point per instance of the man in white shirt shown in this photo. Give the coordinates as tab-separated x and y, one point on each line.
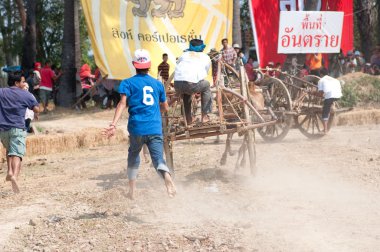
190	77
331	89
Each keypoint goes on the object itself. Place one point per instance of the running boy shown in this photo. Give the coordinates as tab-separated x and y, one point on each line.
145	97
13	104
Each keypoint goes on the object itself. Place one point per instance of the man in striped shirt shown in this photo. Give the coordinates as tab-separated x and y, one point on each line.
228	53
163	68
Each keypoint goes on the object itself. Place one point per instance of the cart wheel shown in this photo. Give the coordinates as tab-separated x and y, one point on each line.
277	99
310	123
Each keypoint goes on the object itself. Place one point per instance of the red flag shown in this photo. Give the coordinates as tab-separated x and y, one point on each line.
265	16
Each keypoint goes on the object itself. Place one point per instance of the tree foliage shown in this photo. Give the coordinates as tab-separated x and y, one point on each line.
49	31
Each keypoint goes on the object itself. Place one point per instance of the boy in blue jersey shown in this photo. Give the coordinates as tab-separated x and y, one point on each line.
146	99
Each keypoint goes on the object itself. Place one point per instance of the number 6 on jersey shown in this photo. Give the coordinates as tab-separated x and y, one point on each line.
148	97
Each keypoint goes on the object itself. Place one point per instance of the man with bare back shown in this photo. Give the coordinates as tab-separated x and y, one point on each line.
145	98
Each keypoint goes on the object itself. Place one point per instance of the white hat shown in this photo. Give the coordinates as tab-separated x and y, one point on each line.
357	53
141	59
236	46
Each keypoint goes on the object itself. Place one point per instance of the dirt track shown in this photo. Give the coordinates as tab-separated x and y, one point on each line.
307	196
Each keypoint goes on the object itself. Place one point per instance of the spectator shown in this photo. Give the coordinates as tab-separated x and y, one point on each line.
36	81
375	61
87	83
13	104
335	64
360	61
314	62
46	87
351	63
240	56
57	82
163	68
249	70
271	70
330	88
278	68
229	55
29	114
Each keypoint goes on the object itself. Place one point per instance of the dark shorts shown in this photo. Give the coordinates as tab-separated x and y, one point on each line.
13	141
327	103
44	95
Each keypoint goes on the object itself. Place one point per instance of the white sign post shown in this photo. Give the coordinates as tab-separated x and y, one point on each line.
310	32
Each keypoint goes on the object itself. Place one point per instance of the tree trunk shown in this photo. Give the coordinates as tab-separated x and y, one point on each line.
78	57
29	46
66	94
6	27
236	28
366	20
21	10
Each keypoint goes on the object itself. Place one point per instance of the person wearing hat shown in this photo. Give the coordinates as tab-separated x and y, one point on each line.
240	55
145	98
190	77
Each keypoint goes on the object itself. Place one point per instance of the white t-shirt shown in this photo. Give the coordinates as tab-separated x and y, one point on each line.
330	86
192	67
29	114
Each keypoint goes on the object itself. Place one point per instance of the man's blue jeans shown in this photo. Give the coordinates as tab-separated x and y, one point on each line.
155	146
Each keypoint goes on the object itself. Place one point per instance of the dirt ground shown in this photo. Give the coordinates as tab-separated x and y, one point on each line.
320	195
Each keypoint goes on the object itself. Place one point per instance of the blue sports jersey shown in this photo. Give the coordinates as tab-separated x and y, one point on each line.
144	95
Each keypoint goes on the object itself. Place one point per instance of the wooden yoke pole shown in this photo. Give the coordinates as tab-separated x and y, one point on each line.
219	85
168	145
250	133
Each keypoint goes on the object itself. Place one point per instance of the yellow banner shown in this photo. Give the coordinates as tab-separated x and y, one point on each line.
118	27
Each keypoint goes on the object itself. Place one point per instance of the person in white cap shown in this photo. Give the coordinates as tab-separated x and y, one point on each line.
240	55
145	98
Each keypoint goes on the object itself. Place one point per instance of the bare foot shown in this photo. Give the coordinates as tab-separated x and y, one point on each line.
169	185
14	185
131	195
205	118
8	177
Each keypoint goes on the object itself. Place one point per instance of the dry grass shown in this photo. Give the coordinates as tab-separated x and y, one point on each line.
57	143
359	117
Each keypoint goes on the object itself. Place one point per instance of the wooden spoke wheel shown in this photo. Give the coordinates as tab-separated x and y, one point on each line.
277	99
309	120
310	123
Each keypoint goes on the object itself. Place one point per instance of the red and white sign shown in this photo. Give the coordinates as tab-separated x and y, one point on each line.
310	32
265	17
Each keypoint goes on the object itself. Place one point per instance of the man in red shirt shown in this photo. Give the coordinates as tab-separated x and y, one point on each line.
46	86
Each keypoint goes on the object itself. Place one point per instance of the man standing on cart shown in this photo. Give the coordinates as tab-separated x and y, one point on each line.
190	77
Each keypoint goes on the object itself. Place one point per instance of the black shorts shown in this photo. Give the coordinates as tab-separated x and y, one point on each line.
327	103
